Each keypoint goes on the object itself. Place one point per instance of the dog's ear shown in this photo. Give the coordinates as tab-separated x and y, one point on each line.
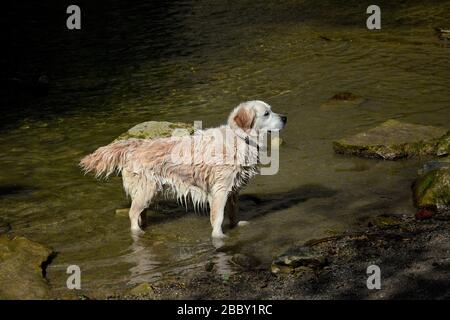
242	117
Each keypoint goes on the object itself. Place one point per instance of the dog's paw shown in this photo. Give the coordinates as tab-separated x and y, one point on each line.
218	235
243	223
136	231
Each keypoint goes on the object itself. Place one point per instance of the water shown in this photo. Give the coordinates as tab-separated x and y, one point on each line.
190	60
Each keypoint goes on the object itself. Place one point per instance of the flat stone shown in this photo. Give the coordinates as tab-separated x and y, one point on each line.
394	140
122	212
300	257
157	129
22	264
143	288
383	221
277	269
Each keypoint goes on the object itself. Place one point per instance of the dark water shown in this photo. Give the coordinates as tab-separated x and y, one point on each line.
194	60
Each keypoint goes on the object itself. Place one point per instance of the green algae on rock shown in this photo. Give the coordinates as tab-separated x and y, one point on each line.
432	187
156	129
395	140
443	147
22	268
143	288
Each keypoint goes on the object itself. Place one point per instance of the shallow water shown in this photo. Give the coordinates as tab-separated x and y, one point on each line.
191	61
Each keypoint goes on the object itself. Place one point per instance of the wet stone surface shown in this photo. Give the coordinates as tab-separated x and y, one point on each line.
22	268
393	140
432	187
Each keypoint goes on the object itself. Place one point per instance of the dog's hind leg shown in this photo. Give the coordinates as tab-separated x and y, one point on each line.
232	208
218	202
141	199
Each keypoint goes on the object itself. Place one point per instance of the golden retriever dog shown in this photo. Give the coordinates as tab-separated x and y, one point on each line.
207	168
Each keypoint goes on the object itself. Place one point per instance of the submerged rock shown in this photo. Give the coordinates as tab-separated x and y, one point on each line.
384	221
5	227
394	140
122	212
299	257
443	34
341	99
244	261
431	190
22	268
157	129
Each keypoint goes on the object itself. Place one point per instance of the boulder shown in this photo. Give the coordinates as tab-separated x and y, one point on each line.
156	129
394	140
22	268
431	189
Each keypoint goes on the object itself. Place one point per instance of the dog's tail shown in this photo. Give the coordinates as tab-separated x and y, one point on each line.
109	159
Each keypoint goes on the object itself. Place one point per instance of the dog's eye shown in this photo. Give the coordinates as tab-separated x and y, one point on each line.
266	114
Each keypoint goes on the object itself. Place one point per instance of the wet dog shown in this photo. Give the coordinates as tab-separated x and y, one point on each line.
207	168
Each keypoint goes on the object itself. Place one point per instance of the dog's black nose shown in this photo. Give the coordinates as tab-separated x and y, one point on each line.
283	118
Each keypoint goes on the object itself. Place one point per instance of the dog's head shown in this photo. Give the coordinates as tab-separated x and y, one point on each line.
257	116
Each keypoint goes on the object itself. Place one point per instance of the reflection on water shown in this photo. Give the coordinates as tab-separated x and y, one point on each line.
190	60
142	260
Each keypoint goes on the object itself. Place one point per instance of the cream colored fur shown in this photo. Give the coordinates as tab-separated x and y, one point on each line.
208	168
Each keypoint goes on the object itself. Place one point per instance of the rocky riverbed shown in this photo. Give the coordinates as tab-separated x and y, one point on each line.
413	256
413	252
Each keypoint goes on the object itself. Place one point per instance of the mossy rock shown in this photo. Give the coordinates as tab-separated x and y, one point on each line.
395	140
432	187
22	268
443	147
156	129
142	289
384	221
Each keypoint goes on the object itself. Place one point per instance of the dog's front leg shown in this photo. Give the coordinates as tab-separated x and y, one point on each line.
218	202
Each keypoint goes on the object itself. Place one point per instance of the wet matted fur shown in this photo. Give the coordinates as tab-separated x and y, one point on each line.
207	168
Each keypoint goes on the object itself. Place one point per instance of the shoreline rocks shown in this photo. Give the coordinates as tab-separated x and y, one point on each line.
22	268
393	140
431	190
